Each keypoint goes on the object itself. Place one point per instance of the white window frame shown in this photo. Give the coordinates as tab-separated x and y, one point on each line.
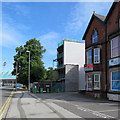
94	37
89	57
95	62
87	83
96	81
114	47
114	80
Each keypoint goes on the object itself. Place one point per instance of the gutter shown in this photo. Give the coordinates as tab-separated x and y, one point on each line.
106	86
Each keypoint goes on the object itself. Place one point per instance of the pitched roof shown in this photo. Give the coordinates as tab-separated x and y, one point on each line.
101	17
110	11
96	16
7	75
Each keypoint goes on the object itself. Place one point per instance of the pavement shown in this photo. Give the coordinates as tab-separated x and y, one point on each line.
61	106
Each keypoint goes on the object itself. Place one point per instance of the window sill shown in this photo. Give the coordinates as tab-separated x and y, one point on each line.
96	88
97	63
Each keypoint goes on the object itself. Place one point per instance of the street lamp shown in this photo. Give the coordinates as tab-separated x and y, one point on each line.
29	72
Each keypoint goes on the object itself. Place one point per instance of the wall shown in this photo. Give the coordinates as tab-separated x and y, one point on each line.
96	24
71	78
74	53
112	28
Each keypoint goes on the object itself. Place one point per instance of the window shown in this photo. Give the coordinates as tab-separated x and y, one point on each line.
89	82
89	57
115	80
115	47
96	81
97	55
94	37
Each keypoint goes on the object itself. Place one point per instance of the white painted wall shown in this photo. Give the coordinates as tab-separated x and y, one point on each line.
74	53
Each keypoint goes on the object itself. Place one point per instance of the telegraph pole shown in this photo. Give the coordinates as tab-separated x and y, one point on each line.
29	72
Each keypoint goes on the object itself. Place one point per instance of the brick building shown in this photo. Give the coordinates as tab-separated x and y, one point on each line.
95	56
102	54
113	51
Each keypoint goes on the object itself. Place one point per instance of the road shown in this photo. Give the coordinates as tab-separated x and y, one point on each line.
5	92
60	105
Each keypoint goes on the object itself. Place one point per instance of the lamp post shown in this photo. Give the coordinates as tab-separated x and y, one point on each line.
16	75
29	72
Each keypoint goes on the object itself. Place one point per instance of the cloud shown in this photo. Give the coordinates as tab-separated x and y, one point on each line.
10	37
50	41
81	14
11	33
18	9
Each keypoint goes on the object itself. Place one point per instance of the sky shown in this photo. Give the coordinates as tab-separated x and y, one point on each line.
49	22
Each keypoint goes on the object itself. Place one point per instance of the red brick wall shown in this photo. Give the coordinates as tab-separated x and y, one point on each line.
112	25
101	38
101	32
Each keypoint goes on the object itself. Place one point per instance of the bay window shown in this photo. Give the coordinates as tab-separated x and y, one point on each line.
115	80
89	57
97	55
96	81
115	47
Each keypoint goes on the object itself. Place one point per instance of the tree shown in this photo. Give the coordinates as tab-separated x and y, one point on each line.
37	70
52	74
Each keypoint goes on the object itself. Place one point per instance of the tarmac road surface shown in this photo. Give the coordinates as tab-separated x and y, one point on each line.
61	106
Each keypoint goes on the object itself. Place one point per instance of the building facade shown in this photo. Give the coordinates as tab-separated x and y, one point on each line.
113	51
95	56
6	78
102	54
70	59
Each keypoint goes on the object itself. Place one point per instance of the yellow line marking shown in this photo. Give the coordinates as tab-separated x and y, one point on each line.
6	104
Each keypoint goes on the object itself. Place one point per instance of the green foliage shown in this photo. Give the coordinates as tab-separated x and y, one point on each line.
52	74
37	70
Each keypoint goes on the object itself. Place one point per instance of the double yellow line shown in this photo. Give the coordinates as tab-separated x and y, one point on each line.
2	110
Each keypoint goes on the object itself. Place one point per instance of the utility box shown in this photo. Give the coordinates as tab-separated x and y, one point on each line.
35	87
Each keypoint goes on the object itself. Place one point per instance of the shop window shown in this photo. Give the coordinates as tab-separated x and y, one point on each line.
89	82
97	55
115	47
115	80
94	36
96	81
89	57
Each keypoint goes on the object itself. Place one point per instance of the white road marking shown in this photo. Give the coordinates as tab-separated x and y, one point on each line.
95	112
76	105
109	110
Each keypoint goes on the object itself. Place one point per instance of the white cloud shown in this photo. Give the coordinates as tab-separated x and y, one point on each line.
81	15
10	36
18	9
50	41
